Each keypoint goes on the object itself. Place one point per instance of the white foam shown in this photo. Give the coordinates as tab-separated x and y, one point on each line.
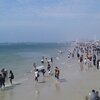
15	83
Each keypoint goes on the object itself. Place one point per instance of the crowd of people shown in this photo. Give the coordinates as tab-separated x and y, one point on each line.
88	58
4	76
43	70
94	95
86	55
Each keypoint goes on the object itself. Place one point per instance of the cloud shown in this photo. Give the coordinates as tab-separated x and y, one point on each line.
50	16
34	13
50	8
68	12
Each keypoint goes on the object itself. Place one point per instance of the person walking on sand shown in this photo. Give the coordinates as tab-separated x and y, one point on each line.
57	72
78	55
81	62
94	60
11	76
85	61
85	64
51	60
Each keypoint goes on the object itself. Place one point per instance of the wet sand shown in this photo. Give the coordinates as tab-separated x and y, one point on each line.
74	84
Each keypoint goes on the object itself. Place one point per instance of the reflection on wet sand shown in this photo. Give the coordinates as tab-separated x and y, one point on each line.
37	91
58	88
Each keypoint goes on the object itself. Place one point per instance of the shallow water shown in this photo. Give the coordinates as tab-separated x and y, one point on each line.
46	88
20	58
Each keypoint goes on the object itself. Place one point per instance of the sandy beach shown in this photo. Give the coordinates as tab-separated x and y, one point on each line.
74	84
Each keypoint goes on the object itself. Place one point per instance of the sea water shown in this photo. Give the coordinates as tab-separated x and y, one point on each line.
19	57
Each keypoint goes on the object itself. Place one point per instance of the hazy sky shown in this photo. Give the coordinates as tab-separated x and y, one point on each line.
49	20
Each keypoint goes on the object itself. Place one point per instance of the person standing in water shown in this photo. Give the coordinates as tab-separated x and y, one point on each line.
0	80
11	76
4	74
48	68
43	71
42	60
51	60
34	65
36	75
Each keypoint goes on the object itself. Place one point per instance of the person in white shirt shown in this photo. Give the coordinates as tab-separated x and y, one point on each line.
36	75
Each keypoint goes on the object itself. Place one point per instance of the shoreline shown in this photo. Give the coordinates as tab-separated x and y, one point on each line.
74	84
